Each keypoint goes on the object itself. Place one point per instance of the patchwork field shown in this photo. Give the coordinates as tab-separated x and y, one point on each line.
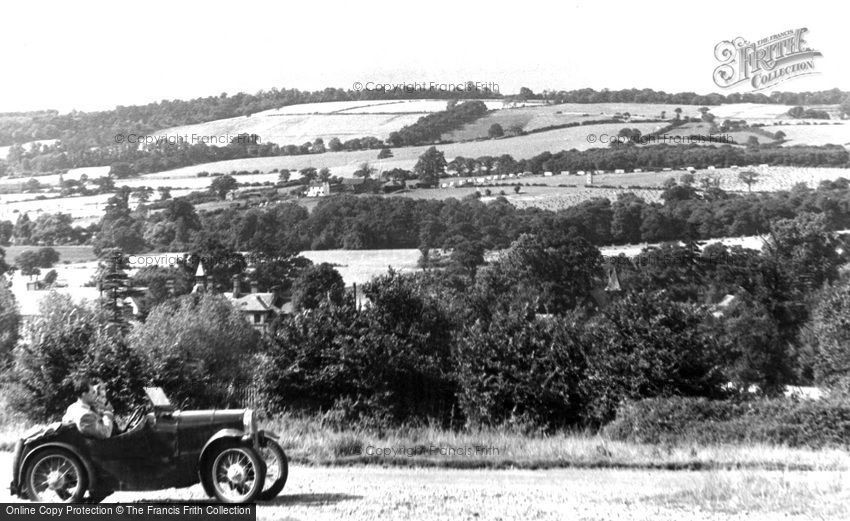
92	172
546	197
85	210
345	163
704	129
527	118
532	118
834	133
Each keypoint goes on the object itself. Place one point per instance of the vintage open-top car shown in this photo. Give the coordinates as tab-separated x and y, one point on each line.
160	448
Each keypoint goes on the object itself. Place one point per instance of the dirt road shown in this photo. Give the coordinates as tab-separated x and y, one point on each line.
372	492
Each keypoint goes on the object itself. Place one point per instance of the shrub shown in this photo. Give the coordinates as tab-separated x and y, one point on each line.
199	348
391	359
646	345
814	424
66	341
10	320
517	370
830	330
317	283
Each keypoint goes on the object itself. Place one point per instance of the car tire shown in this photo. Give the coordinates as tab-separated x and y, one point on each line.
235	472
60	472
269	451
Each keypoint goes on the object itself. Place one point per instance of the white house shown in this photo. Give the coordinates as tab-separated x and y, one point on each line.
319	190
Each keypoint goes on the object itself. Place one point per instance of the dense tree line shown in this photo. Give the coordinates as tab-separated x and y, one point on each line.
375	222
672	156
827	97
430	128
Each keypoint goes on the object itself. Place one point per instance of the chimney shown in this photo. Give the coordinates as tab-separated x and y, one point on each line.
209	284
254	286
235	286
169	287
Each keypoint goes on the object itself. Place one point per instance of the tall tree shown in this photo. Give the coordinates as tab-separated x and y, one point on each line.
222	185
430	166
316	284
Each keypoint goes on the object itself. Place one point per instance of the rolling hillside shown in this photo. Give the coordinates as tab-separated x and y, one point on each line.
297	124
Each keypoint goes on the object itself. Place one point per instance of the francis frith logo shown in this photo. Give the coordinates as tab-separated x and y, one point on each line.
765	63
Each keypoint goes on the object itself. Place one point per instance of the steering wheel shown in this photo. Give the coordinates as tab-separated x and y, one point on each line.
136	418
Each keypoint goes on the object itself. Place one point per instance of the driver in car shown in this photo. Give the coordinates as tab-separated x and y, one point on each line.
91	413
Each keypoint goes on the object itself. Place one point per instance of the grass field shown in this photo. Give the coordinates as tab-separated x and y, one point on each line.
66	253
834	133
92	172
85	210
527	118
704	129
551	197
532	118
359	266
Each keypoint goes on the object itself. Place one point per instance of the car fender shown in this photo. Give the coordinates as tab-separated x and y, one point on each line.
268	435
87	464
236	434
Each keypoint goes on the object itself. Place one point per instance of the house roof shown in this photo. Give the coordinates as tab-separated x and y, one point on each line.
253	302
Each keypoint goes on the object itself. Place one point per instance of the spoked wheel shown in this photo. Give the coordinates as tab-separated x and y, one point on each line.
277	469
236	474
55	476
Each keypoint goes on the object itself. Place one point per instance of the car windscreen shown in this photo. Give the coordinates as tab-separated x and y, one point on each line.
157	397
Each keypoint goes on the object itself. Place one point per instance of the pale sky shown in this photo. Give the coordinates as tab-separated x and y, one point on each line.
96	55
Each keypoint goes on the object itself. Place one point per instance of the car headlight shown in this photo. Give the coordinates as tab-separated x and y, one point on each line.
249	422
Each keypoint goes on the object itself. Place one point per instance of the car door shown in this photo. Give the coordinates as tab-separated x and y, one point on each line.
125	457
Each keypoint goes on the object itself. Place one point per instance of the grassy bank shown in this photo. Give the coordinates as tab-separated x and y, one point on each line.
315	440
312	441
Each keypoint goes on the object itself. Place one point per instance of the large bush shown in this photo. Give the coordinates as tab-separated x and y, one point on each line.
392	359
816	424
513	369
66	341
9	321
830	336
645	345
199	348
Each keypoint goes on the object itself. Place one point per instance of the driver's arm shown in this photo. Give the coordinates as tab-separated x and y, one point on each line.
98	425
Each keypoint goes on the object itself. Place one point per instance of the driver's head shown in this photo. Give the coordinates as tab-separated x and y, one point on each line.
89	391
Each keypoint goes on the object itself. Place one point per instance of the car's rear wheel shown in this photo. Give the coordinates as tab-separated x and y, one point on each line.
277	469
55	476
236	473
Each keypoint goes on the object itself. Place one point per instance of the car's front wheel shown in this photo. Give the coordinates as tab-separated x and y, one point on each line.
277	469
55	476
236	473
